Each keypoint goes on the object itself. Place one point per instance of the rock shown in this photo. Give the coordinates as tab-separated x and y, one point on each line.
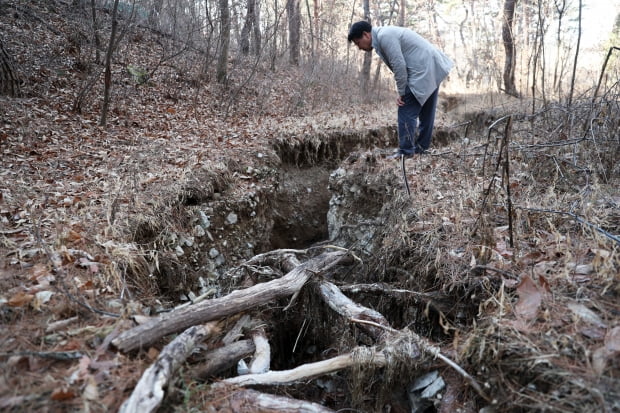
205	222
232	218
199	231
423	390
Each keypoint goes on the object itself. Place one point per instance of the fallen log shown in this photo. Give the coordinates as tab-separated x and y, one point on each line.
348	308
224	358
359	355
252	401
149	392
262	356
363	316
235	302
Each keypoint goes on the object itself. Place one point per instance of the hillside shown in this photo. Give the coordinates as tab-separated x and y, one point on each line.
504	260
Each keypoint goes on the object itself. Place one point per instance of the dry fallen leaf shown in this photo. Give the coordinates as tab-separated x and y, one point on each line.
62	394
530	299
585	314
20	299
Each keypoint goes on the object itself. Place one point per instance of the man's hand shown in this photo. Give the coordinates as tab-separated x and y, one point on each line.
400	101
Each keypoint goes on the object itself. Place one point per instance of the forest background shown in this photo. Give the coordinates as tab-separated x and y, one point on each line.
153	151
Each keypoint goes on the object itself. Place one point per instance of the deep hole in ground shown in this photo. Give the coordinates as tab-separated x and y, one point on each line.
302	201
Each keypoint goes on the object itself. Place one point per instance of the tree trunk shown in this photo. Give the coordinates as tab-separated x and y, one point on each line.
509	47
367	55
572	80
294	26
257	44
107	79
149	392
222	61
9	81
249	27
235	302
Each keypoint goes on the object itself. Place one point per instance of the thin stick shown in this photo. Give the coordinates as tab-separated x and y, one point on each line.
507	136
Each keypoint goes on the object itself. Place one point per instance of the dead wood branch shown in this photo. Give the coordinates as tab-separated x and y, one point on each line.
235	302
224	358
310	370
149	392
344	306
262	356
252	401
363	315
433	351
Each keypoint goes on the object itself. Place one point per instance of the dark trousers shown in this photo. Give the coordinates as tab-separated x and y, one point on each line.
408	115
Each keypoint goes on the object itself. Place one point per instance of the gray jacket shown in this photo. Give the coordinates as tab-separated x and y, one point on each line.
413	60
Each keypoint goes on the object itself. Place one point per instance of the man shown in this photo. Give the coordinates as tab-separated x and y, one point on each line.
418	69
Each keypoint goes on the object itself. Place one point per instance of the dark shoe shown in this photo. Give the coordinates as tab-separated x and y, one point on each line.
398	154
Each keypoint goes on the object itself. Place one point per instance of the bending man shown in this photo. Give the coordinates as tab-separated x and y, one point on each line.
418	68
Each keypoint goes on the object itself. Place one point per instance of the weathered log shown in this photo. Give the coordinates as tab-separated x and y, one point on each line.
252	401
224	358
363	316
149	392
235	302
262	356
359	355
344	306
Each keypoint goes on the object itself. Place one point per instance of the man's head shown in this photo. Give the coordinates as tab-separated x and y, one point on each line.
360	34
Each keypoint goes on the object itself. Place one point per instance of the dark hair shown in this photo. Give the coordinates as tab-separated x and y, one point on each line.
357	30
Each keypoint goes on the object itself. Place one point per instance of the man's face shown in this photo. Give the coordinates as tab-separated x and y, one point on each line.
364	42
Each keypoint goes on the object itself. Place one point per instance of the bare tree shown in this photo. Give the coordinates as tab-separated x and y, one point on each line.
367	55
107	79
294	28
222	61
572	80
9	81
509	47
251	27
560	8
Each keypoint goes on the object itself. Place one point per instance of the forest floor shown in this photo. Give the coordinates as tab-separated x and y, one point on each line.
511	268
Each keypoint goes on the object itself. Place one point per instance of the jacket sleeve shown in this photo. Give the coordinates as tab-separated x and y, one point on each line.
394	59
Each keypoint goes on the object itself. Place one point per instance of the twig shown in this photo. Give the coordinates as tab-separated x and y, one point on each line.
507	136
497	270
51	355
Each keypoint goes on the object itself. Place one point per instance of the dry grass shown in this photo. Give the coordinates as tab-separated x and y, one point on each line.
549	346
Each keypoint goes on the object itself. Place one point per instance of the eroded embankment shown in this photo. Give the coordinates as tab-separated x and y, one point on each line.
284	205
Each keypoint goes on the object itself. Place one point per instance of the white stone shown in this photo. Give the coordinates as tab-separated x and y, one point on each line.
232	218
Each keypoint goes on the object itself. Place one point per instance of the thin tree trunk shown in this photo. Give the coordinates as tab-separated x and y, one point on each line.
294	27
107	78
367	55
9	81
509	47
258	38
557	84
96	39
248	24
222	61
572	80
